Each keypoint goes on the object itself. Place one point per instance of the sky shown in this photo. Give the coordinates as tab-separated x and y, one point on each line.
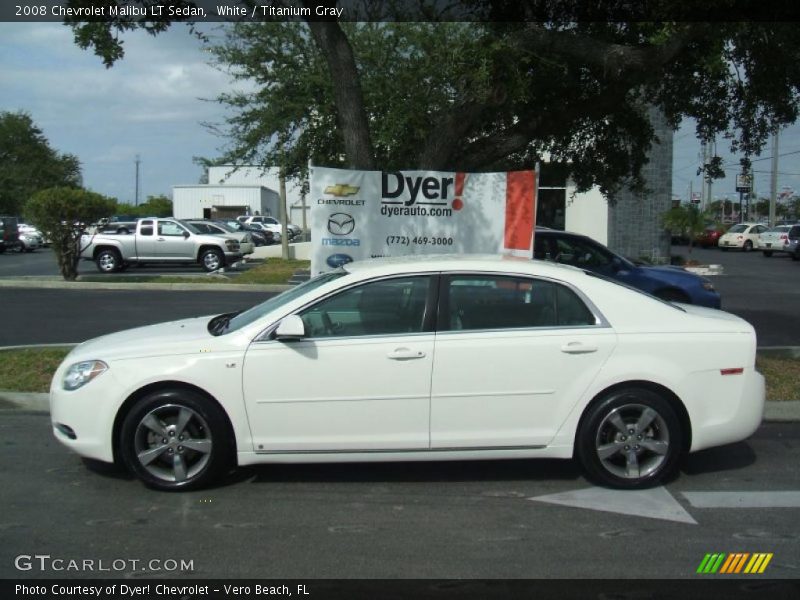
153	102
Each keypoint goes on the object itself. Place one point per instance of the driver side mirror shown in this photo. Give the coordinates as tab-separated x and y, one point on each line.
186	234
290	328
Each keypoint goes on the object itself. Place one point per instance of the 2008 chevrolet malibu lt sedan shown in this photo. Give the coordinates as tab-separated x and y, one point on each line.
427	358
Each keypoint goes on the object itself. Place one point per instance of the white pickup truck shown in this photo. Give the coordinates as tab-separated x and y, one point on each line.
160	241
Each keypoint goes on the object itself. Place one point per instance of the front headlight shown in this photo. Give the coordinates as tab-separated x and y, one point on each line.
707	285
82	373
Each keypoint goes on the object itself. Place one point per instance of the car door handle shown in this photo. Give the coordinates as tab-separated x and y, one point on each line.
161	240
405	354
578	348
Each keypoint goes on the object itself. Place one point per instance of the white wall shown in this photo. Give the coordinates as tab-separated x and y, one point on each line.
230	175
188	201
587	213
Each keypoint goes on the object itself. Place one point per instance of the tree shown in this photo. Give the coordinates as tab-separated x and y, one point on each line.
63	213
154	206
28	163
684	219
552	79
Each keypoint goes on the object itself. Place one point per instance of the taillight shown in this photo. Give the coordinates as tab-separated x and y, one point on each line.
784	237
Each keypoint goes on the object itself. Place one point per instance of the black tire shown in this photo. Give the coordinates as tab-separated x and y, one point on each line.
19	247
637	460
671	295
748	246
212	259
108	261
767	253
198	449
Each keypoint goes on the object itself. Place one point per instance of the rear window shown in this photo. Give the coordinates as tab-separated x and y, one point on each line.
738	229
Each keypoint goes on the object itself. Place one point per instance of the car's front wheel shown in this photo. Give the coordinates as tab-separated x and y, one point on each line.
748	245
212	260
630	439
175	440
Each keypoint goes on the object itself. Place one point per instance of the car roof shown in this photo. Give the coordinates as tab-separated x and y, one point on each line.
460	262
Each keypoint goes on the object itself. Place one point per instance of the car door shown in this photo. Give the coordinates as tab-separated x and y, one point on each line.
171	243
358	381
513	355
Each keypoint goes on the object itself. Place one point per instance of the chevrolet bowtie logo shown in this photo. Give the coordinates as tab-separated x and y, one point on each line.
341	224
342	189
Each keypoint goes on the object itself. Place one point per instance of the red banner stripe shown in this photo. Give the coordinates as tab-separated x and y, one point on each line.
520	211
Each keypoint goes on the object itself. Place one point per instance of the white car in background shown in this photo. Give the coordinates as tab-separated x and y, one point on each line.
776	239
426	358
743	236
272	224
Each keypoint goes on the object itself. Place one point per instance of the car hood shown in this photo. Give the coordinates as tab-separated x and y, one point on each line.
161	339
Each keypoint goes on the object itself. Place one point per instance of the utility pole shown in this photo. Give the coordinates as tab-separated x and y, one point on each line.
709	153
282	211
136	197
773	191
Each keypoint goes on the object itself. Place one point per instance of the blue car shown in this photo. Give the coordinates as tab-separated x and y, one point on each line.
668	283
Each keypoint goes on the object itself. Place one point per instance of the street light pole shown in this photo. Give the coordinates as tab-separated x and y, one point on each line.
773	192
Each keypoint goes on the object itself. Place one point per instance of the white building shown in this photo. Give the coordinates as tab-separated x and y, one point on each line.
211	201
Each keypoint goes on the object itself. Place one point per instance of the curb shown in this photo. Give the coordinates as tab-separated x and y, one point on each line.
185	287
779	412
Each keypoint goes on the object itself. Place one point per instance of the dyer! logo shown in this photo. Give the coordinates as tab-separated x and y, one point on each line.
341	224
738	562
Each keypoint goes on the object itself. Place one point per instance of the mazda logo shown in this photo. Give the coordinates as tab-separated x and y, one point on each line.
341	224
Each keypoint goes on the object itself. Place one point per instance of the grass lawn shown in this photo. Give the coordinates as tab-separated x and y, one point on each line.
30	370
273	270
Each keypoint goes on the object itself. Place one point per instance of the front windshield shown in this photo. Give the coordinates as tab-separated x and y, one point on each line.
259	310
225	226
779	229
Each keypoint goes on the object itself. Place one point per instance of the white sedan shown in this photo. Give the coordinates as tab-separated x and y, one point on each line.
743	236
434	358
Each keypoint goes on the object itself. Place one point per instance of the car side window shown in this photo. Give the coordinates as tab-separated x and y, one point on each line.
169	228
385	307
579	253
500	302
146	228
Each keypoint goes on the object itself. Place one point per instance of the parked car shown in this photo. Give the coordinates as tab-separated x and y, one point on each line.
794	242
159	241
29	240
776	239
122	224
25	228
8	233
272	223
709	237
260	237
743	236
268	231
668	283
392	354
245	239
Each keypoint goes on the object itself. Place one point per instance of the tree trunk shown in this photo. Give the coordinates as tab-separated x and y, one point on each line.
347	92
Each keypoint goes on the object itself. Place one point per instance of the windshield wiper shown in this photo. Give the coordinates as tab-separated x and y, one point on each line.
219	324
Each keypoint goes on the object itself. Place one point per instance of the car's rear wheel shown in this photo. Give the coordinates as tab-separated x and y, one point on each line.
108	261
630	439
748	245
175	440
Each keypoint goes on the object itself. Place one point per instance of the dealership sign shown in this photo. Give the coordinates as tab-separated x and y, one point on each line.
367	214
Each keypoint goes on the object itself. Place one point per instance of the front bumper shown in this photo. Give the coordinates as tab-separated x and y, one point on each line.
87	412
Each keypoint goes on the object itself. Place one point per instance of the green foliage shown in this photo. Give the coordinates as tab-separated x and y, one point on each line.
63	213
684	219
154	206
518	82
28	163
